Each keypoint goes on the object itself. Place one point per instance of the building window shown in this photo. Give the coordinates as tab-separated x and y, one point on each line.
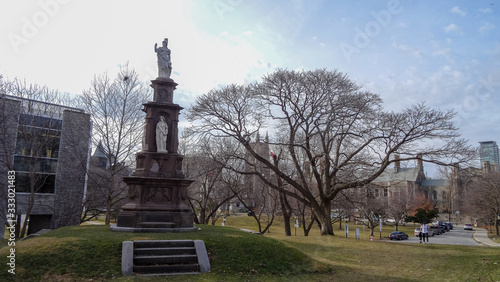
376	193
434	195
386	192
42	183
36	153
426	194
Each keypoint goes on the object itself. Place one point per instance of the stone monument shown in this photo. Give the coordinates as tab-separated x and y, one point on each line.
157	195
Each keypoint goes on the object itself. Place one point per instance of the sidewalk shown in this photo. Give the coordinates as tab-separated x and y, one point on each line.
481	236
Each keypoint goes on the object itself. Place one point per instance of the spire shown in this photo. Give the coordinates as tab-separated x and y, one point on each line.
267	137
257	139
99	151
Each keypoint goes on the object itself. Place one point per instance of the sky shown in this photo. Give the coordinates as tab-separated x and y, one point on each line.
443	53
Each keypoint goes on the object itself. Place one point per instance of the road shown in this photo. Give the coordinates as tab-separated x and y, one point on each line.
454	237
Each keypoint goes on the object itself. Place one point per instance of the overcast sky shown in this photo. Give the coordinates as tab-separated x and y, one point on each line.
446	53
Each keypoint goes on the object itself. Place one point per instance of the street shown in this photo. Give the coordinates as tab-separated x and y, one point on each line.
454	237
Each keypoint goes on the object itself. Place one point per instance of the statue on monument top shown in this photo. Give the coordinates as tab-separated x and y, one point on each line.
164	63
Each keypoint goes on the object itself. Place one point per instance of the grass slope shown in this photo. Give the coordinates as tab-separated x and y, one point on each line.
95	252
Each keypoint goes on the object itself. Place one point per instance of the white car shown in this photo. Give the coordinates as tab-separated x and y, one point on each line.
468	226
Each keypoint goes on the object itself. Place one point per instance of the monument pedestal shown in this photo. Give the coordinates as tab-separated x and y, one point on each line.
157	195
156	205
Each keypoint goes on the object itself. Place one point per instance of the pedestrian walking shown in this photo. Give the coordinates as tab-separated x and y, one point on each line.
424	230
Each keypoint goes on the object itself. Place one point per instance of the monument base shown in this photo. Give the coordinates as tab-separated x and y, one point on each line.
156	205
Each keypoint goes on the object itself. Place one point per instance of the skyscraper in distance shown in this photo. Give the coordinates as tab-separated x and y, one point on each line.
489	152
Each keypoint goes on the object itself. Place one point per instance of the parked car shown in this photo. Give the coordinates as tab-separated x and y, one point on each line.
398	235
417	231
443	225
468	226
436	229
450	225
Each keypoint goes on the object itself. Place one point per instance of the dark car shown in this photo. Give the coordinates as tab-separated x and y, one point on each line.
450	225
398	235
436	229
444	226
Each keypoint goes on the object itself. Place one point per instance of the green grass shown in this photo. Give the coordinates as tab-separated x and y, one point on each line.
94	252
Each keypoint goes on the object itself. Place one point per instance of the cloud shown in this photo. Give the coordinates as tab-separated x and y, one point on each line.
408	49
451	28
485	27
486	10
456	10
445	52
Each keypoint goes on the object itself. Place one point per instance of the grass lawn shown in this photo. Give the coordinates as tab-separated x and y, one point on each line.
94	252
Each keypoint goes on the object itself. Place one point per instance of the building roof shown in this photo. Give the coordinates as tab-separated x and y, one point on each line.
403	174
434	182
99	151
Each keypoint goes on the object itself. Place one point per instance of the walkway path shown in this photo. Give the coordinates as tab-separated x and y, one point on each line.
481	236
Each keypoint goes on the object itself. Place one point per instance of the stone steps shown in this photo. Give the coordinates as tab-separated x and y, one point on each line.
165	251
164	257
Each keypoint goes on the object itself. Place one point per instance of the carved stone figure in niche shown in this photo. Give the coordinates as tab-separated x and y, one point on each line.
164	63
161	135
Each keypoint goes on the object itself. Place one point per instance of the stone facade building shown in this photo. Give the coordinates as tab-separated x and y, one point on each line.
448	195
47	145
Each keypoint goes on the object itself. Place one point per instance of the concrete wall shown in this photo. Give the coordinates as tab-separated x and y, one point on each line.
72	164
9	116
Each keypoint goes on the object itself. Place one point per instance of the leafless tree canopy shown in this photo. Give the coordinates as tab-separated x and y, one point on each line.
118	123
484	200
330	129
204	162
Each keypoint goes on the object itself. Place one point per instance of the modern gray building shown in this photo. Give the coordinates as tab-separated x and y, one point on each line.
47	145
489	154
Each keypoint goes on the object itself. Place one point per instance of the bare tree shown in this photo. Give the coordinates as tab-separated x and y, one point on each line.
118	124
204	163
484	203
368	206
94	203
400	203
334	126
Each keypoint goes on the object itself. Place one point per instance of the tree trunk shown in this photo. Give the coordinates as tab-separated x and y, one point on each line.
287	213
31	202
258	223
203	220
27	216
107	220
109	199
309	226
323	216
